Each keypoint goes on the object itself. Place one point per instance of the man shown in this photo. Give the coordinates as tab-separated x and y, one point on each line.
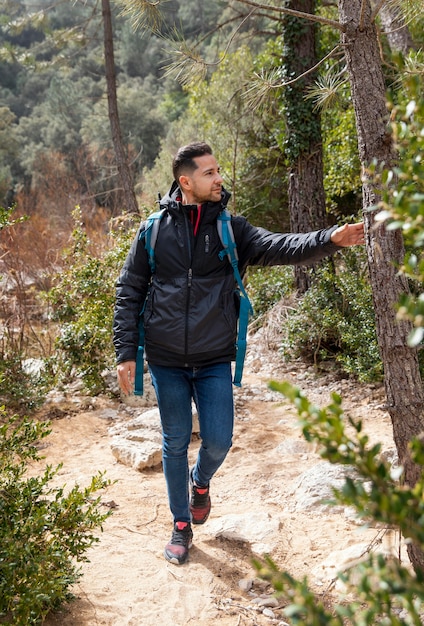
190	322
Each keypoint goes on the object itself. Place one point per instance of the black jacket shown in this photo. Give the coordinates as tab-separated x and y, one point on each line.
190	317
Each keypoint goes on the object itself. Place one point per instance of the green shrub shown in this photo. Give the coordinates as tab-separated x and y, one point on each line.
21	391
82	303
381	586
43	531
335	321
267	285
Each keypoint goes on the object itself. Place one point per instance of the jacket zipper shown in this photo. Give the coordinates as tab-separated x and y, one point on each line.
189	281
206	244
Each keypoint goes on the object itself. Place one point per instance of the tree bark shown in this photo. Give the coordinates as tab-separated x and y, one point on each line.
385	249
306	189
124	171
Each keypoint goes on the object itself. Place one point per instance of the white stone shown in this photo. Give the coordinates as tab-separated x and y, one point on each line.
260	530
245	584
315	486
138	442
137	454
342	560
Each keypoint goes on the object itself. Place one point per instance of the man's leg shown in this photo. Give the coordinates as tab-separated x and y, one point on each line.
174	395
213	394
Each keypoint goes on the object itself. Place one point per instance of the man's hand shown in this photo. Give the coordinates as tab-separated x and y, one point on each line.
126	376
348	235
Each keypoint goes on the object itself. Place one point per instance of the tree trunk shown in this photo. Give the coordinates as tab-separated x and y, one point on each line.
124	171
304	142
385	249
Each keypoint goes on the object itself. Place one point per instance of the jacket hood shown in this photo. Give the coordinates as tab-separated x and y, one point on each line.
172	199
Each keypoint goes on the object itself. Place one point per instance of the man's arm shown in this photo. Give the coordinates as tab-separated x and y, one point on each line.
258	246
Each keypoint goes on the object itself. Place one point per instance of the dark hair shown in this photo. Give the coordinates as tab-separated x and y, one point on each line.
183	160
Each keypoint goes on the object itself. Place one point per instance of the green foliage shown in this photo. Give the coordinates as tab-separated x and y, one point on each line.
20	390
267	285
44	532
335	320
302	122
6	220
381	586
402	204
342	181
82	301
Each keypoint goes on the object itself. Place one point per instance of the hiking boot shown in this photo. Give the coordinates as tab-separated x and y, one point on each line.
176	551
200	502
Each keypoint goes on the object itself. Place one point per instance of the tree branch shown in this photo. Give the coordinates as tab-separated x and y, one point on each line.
377	9
254	96
192	64
362	18
306	16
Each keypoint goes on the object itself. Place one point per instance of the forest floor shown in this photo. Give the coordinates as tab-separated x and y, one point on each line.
127	582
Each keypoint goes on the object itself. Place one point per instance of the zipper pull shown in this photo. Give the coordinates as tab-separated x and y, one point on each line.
206	244
190	275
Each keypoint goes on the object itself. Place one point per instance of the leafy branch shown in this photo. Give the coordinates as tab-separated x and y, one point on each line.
381	586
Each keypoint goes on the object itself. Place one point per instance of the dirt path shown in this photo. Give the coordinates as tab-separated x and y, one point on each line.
127	581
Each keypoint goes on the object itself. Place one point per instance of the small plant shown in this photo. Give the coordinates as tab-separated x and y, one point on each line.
20	390
267	285
382	587
335	321
82	301
44	532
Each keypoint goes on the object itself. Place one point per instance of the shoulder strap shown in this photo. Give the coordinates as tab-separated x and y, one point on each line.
149	234
226	234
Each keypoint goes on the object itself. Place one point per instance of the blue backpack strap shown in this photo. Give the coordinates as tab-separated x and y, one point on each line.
149	234
226	235
139	359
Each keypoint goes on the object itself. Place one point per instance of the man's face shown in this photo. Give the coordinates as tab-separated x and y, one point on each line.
204	183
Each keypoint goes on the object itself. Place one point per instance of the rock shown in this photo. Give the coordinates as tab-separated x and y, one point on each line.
139	454
316	485
138	442
33	367
270	601
342	560
109	414
257	529
293	446
55	397
245	584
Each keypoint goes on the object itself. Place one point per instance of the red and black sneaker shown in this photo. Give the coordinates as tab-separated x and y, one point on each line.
200	502
176	551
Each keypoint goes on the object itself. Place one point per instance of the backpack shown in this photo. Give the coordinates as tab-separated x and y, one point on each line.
226	235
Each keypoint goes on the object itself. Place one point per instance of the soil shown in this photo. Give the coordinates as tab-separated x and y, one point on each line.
127	582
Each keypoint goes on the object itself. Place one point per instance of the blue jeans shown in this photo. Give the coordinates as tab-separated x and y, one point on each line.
211	389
